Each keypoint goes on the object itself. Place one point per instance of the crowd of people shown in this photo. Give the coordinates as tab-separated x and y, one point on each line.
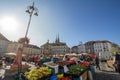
36	59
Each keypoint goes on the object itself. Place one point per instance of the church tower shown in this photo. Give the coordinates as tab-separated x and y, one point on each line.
57	39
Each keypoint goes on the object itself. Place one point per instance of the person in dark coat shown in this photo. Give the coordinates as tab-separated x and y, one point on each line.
97	62
117	62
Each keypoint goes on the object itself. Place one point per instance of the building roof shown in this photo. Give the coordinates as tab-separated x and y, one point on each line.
3	37
74	47
31	46
58	44
98	41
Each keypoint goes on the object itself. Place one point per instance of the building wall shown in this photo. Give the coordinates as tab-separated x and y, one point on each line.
81	48
54	48
74	49
13	47
89	47
59	49
3	46
46	49
29	50
102	47
97	46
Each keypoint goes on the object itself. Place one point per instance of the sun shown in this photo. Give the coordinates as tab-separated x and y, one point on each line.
9	24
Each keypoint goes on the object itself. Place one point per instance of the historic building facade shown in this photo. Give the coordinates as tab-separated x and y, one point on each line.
3	44
102	46
98	46
28	49
78	49
56	47
81	48
89	47
74	49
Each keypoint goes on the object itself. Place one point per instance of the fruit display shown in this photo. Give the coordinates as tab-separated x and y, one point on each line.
76	70
85	63
36	74
62	63
14	67
65	78
52	64
59	76
70	62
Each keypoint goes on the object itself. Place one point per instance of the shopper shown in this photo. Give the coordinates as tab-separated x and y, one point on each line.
66	58
97	62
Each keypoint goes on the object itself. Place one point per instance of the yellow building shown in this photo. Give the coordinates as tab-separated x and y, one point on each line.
28	49
54	48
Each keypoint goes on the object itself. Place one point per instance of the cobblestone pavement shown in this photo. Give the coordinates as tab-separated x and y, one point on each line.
106	73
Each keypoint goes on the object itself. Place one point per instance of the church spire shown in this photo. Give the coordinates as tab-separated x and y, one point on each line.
58	38
48	41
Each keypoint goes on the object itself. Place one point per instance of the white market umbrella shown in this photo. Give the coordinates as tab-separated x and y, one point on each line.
13	54
10	54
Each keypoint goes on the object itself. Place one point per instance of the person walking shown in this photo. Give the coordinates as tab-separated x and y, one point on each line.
97	62
117	62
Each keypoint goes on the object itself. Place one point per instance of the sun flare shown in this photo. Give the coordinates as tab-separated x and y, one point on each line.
9	24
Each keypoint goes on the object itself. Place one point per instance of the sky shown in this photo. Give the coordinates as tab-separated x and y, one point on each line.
74	21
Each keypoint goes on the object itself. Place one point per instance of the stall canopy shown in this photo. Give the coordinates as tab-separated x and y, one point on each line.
10	54
13	54
72	54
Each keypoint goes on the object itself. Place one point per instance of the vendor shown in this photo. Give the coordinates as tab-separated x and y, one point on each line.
66	58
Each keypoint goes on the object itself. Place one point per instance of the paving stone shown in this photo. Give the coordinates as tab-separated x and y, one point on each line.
106	73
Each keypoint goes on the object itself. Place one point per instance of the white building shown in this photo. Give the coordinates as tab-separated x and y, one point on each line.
81	48
3	44
102	49
102	46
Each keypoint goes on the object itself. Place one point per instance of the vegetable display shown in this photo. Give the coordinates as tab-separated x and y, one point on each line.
85	63
76	70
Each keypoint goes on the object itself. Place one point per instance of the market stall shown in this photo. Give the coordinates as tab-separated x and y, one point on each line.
72	69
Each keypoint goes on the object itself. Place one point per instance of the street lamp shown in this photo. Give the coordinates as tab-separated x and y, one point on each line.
30	10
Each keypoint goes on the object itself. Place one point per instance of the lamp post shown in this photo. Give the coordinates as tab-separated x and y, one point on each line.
30	10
